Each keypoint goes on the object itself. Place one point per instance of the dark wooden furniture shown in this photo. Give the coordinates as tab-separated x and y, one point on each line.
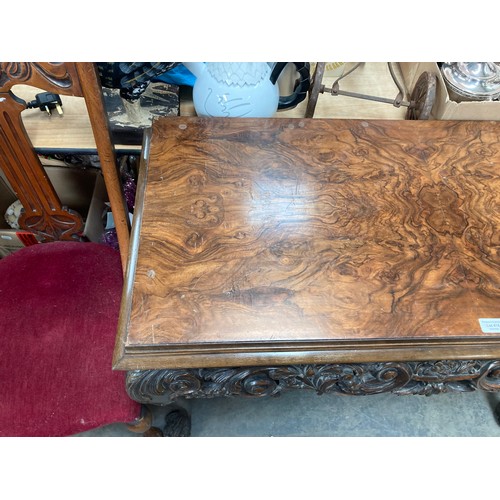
43	211
352	256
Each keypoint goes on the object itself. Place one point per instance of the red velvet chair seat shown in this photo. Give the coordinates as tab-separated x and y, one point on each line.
59	305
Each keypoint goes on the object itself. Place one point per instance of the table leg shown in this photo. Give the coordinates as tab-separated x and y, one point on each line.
177	423
496	412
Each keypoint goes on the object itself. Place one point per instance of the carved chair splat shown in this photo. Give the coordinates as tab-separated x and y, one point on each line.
43	212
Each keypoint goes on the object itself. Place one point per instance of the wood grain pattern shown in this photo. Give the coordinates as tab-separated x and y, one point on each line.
92	92
74	131
264	237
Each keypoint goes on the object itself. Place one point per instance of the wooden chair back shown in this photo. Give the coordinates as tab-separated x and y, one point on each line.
43	213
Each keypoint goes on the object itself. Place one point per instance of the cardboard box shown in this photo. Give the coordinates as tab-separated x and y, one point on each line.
444	108
94	223
81	189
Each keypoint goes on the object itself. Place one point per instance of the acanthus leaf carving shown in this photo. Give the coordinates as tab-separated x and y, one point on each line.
424	378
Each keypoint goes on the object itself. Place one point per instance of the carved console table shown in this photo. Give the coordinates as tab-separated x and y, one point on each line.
345	256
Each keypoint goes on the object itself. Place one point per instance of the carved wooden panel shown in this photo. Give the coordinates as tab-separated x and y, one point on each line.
60	78
43	212
362	379
290	241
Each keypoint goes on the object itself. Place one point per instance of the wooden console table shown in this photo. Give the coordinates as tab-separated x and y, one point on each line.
353	256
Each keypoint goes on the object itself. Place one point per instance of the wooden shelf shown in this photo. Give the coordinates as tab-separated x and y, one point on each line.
72	130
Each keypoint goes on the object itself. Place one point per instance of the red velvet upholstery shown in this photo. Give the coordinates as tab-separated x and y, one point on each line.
59	305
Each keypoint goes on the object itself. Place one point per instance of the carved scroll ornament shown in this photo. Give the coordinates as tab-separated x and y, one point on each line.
54	77
424	378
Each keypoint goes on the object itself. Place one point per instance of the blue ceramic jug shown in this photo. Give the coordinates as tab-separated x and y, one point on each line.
244	89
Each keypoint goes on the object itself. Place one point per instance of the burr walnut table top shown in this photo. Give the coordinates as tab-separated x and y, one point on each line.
273	241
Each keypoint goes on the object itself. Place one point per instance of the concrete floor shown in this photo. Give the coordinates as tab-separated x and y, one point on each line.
305	414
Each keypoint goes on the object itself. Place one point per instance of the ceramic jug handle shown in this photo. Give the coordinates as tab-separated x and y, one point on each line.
300	90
